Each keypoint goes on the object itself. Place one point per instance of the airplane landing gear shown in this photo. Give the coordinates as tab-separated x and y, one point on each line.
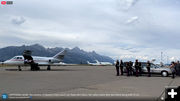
49	67
19	68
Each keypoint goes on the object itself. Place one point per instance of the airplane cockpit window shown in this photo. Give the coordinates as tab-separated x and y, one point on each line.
14	58
19	58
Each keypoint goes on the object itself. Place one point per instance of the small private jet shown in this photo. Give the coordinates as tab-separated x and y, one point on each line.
95	64
100	63
40	61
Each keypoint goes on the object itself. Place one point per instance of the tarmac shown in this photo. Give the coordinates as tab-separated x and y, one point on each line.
81	83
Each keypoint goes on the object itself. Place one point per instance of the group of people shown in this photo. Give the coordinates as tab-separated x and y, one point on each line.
129	68
175	68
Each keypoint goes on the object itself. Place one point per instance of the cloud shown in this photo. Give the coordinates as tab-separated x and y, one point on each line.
18	20
132	20
130	3
107	26
126	4
174	59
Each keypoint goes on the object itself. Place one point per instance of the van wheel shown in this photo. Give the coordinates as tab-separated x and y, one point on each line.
164	73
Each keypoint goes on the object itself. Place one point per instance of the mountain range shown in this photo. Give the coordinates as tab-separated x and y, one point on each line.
74	55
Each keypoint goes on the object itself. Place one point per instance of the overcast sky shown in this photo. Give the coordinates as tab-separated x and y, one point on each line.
117	28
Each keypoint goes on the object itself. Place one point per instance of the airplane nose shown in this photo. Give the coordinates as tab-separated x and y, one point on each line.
5	62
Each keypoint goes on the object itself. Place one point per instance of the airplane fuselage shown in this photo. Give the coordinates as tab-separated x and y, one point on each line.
36	61
99	63
19	60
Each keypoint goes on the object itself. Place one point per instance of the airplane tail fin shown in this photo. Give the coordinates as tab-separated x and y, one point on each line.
60	55
88	62
97	61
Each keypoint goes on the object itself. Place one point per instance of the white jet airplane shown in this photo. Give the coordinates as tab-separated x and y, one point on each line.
100	63
95	64
41	61
103	63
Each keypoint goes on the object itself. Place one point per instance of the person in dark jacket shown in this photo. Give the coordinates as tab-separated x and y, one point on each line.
148	68
140	68
121	67
117	67
177	68
172	67
137	67
127	68
130	68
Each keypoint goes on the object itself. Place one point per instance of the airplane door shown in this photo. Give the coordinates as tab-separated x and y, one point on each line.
27	57
29	60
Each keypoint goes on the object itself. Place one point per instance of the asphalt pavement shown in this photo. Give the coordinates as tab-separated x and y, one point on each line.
81	82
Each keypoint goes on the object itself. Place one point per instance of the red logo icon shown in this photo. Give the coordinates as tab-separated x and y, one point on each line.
3	2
